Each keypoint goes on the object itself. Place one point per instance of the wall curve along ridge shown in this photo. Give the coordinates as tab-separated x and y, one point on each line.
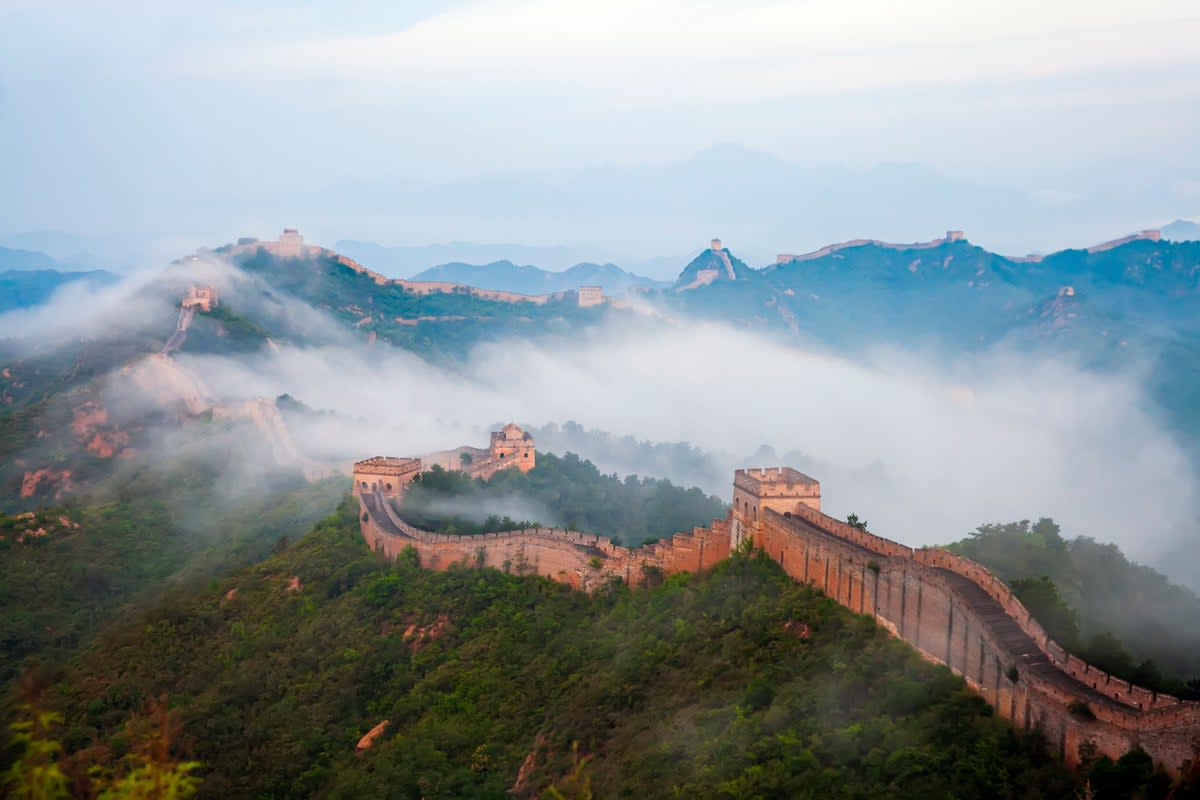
950	609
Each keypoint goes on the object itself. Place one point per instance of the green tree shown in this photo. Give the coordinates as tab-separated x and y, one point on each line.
1042	598
36	773
153	771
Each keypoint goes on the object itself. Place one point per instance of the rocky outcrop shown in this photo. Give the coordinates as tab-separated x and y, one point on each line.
59	479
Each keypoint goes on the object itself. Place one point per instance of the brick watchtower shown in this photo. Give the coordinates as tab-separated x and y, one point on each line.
384	474
513	446
781	489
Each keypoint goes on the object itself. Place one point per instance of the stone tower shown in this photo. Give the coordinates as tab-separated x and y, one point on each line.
384	474
780	489
291	244
513	446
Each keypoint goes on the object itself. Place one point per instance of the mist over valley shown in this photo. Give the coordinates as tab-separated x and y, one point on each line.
515	399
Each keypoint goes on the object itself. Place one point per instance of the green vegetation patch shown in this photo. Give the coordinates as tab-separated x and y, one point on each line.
493	684
154	535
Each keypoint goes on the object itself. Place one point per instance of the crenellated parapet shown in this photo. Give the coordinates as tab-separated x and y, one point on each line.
583	560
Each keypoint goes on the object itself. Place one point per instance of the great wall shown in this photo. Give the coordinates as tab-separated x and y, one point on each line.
290	244
1149	235
951	610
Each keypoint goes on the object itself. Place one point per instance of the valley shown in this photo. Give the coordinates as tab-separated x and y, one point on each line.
89	423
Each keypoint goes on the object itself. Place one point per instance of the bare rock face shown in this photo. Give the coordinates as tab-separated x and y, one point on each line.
34	478
91	426
367	741
37	525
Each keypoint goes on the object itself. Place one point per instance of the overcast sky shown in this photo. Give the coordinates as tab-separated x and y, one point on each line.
209	118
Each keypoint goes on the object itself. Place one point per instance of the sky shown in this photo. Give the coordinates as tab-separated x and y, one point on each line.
206	121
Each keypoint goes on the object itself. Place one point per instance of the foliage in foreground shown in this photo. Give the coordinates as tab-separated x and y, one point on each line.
738	683
152	770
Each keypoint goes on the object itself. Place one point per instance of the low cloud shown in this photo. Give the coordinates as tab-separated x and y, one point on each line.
925	448
479	509
923	445
78	310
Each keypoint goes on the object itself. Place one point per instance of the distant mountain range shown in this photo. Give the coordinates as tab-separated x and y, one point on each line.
404	261
750	197
951	289
1182	230
26	288
509	277
11	259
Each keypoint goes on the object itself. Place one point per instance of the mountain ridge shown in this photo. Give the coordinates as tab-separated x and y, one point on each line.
29	288
504	275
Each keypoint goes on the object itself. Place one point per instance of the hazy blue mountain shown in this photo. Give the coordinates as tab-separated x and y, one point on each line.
403	261
115	252
510	277
54	243
700	271
25	260
763	203
1182	230
956	287
31	287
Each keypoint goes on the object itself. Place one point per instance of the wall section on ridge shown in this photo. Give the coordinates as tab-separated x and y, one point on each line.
582	560
957	614
951	610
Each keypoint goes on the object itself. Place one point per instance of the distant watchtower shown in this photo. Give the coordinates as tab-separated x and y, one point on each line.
715	244
591	296
781	489
513	446
290	244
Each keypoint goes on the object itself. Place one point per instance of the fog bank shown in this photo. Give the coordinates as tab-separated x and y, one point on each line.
923	448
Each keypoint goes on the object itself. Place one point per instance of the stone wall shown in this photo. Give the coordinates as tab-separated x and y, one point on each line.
583	560
952	610
786	258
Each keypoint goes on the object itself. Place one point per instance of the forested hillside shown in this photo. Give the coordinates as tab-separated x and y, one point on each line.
738	683
67	572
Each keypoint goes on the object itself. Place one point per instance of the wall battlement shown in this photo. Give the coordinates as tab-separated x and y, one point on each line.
950	609
951	236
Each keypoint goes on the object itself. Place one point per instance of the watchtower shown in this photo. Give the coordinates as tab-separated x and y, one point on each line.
386	475
513	446
291	243
591	296
781	489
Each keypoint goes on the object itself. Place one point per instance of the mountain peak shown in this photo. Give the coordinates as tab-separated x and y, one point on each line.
714	264
1181	230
